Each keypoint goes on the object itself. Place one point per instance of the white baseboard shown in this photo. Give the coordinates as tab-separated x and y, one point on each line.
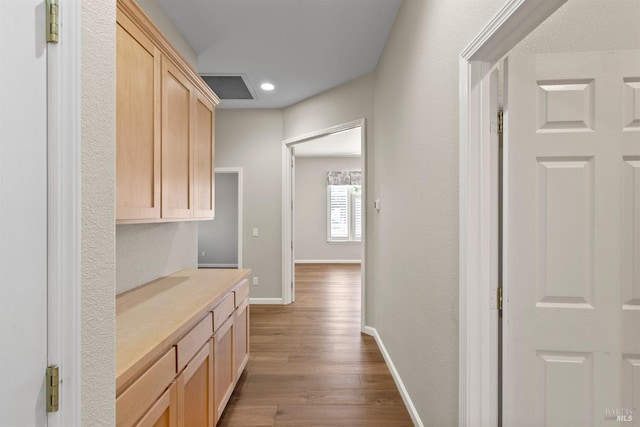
396	376
328	261
217	265
265	301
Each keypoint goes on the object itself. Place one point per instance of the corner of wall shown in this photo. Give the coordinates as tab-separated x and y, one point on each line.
98	212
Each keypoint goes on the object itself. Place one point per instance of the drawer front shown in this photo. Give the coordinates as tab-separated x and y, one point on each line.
139	397
223	311
241	292
189	345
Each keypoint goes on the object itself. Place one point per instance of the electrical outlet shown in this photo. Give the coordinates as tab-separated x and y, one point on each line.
202	254
255	281
255	232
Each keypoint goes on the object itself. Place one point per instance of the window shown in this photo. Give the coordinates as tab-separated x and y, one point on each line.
344	216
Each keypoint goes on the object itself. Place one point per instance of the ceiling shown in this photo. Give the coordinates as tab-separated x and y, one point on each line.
342	144
303	47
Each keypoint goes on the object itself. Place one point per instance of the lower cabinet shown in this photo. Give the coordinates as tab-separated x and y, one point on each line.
192	382
224	371
195	390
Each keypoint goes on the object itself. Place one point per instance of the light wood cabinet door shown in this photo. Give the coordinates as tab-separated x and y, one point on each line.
164	413
177	135
203	156
224	371
241	337
195	390
137	123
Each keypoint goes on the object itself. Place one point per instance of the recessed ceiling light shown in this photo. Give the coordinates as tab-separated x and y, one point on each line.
267	86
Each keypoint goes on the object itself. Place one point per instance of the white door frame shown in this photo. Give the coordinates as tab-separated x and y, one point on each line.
478	316
64	204
287	197
237	170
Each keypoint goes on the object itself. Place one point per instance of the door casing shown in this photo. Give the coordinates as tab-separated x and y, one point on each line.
287	200
64	212
479	226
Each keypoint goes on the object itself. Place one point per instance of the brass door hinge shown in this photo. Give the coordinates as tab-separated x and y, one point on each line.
500	122
53	15
53	380
499	299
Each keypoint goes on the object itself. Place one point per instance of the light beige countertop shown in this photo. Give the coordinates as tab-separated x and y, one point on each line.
151	318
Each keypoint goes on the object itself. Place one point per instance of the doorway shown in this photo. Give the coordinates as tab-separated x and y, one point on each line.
317	145
220	240
480	227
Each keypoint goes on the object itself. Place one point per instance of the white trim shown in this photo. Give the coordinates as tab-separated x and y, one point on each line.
413	412
287	195
64	220
328	261
239	171
258	301
478	332
218	265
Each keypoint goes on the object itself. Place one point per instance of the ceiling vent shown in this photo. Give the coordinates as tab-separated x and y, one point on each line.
229	86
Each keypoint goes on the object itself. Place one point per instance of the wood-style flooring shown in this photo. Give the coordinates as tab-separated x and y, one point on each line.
309	363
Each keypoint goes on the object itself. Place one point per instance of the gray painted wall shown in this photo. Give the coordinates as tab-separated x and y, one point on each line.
252	139
586	26
311	209
416	270
218	239
169	29
145	252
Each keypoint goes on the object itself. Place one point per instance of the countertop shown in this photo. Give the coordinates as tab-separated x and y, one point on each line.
152	317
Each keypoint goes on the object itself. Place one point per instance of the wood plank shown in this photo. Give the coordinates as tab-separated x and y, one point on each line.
310	361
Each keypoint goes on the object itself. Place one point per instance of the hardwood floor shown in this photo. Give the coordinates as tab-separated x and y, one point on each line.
309	363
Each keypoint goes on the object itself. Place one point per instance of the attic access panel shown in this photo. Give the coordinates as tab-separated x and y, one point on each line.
228	87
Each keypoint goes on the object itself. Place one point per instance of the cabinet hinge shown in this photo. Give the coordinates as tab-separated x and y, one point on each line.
53	16
499	299
53	380
500	122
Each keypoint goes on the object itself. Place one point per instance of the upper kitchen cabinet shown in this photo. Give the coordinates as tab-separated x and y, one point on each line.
203	169
138	123
177	143
165	127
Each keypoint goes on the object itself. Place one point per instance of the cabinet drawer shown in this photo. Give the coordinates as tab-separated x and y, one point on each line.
189	345
223	311
139	397
241	292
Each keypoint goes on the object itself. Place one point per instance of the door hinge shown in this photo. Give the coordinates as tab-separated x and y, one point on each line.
53	16
499	299
53	380
500	122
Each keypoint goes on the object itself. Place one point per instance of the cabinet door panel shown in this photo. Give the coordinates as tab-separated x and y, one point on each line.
164	413
196	390
177	107
224	373
203	173
241	337
138	123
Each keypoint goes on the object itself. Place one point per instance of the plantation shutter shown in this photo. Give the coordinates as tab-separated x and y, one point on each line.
338	212
357	214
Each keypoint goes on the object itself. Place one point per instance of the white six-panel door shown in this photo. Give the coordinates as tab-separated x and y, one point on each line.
23	213
572	240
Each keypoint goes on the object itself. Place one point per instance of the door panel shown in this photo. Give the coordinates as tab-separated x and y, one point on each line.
177	107
572	239
23	213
